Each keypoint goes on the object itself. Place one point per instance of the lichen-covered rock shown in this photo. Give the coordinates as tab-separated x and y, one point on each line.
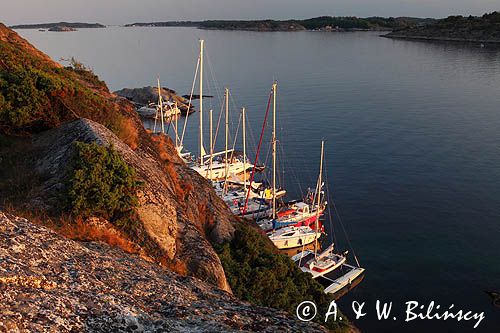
53	284
173	231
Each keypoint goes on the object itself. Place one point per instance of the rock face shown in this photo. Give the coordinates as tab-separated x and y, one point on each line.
143	96
176	228
51	284
179	212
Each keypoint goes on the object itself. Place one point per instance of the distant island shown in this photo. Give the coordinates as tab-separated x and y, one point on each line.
58	26
483	29
323	23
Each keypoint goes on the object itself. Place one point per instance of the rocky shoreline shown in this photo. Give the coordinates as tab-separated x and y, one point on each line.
50	283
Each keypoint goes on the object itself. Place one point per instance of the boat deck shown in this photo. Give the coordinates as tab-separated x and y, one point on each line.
343	277
305	259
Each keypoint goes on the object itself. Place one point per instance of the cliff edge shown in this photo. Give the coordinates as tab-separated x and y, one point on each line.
49	283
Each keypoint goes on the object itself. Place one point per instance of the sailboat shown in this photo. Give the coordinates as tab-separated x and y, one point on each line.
330	268
212	166
297	214
291	237
259	208
236	189
294	236
301	213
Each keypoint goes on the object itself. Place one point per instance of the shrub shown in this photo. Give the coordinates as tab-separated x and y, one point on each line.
260	275
102	184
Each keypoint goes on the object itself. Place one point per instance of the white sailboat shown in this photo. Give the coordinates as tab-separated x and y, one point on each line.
212	166
234	188
328	267
291	237
294	236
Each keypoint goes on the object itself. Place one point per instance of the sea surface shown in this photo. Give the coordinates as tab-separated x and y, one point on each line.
412	134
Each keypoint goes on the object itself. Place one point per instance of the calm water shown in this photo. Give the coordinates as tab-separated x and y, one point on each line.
413	143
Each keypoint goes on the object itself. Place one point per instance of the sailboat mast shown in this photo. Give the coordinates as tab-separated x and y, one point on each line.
274	149
160	102
177	142
318	195
201	101
227	135
244	150
211	144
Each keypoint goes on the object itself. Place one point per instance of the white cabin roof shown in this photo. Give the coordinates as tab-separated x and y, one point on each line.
301	205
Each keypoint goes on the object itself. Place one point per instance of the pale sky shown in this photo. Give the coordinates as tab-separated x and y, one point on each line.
128	11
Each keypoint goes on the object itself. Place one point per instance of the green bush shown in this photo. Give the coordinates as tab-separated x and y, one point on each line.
260	275
102	184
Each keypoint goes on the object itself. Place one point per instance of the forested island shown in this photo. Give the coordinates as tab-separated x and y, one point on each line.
71	25
325	23
483	29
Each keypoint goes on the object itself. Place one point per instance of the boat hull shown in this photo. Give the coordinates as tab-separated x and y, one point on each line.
305	220
218	171
294	241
